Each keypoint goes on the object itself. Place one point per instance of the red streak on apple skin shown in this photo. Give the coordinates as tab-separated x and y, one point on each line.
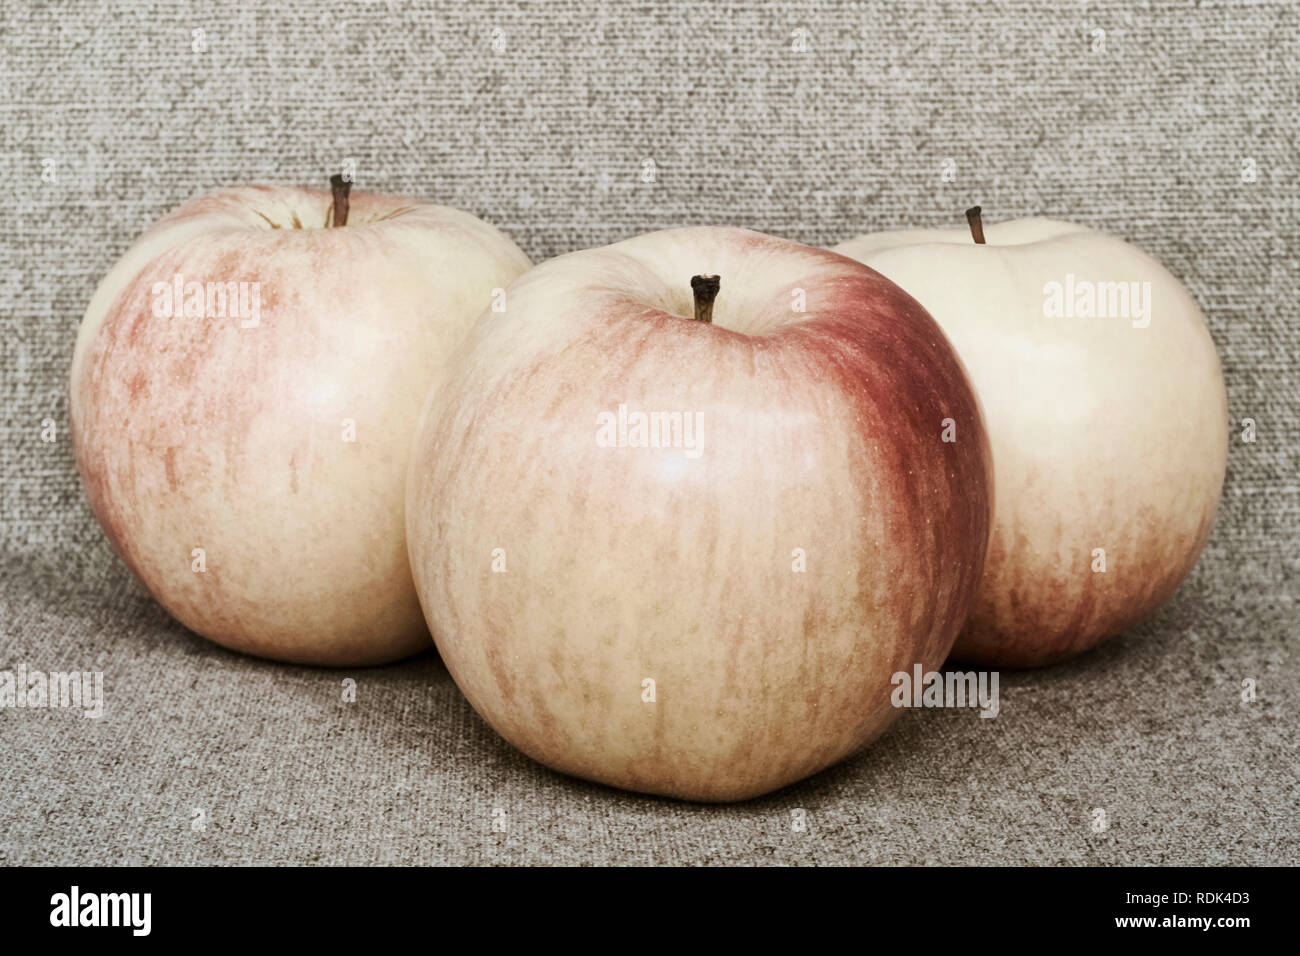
890	358
172	483
1076	606
138	443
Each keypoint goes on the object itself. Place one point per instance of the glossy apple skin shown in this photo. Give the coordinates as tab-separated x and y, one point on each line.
822	433
200	433
1105	435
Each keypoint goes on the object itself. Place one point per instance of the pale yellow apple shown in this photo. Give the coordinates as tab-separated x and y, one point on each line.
1108	424
715	605
245	450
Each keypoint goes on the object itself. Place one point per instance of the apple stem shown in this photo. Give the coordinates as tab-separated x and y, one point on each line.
976	224
706	290
340	188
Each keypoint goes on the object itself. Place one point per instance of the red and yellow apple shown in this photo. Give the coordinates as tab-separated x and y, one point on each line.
245	386
1107	414
686	556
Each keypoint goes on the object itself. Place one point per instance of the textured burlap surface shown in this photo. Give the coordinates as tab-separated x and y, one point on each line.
1175	130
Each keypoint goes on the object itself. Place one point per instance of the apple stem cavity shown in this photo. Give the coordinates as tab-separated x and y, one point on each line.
706	290
340	188
976	224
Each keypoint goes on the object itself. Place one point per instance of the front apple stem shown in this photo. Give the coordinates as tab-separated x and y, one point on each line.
341	188
706	290
976	225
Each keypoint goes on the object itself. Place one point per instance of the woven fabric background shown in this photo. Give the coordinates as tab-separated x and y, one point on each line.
1172	125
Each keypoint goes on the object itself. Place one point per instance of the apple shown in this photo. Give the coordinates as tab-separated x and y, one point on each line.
245	386
679	515
1107	414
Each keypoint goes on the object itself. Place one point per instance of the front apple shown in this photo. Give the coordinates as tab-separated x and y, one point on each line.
1107	415
245	386
686	557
